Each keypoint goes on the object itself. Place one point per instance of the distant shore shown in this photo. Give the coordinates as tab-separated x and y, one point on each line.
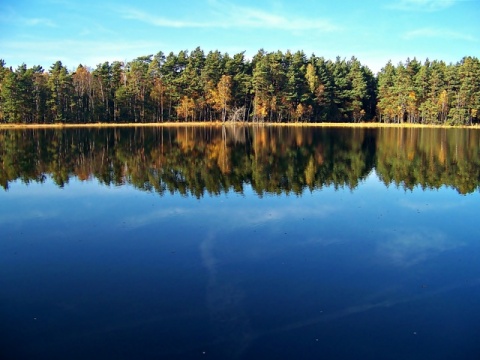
230	124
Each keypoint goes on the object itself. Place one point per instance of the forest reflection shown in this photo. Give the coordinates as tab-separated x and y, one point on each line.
199	160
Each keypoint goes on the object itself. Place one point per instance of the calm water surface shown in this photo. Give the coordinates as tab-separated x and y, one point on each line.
240	243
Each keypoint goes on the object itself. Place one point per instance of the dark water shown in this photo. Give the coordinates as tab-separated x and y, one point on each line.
269	243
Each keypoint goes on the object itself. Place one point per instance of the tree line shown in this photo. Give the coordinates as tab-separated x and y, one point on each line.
272	87
195	161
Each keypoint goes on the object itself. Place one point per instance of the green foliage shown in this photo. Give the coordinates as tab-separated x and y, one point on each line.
203	160
432	93
273	86
17	95
60	88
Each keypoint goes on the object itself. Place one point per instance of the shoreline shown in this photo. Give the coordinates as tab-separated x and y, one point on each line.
230	124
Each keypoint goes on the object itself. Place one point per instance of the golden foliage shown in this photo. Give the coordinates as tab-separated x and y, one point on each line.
220	96
186	108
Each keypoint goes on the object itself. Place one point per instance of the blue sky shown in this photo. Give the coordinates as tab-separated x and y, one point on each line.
91	32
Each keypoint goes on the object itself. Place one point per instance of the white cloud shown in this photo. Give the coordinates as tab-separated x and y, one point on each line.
421	5
227	15
27	217
240	16
242	217
438	33
144	219
411	246
89	52
431	206
38	21
8	15
135	14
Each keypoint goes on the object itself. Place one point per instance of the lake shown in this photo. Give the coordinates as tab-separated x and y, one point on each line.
240	243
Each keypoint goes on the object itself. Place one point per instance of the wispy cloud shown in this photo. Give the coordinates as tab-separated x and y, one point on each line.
227	15
421	5
22	218
88	52
411	246
262	216
38	22
241	16
438	33
387	299
432	205
141	220
135	14
8	15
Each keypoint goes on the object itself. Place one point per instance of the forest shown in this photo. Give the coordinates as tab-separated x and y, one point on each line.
195	161
270	87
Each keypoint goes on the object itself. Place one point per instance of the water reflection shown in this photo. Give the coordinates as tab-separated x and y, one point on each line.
410	246
254	273
214	160
231	323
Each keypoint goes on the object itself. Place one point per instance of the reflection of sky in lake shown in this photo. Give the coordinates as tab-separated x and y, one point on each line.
371	272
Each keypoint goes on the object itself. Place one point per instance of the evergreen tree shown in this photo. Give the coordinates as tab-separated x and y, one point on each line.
60	93
358	92
275	87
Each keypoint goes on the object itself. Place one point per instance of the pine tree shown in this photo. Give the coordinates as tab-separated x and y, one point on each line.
60	90
386	95
358	92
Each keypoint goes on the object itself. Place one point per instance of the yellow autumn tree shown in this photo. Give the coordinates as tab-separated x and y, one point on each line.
312	78
82	82
221	95
260	109
299	111
411	107
186	108
443	105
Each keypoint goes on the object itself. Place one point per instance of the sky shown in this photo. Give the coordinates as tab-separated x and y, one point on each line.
91	32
